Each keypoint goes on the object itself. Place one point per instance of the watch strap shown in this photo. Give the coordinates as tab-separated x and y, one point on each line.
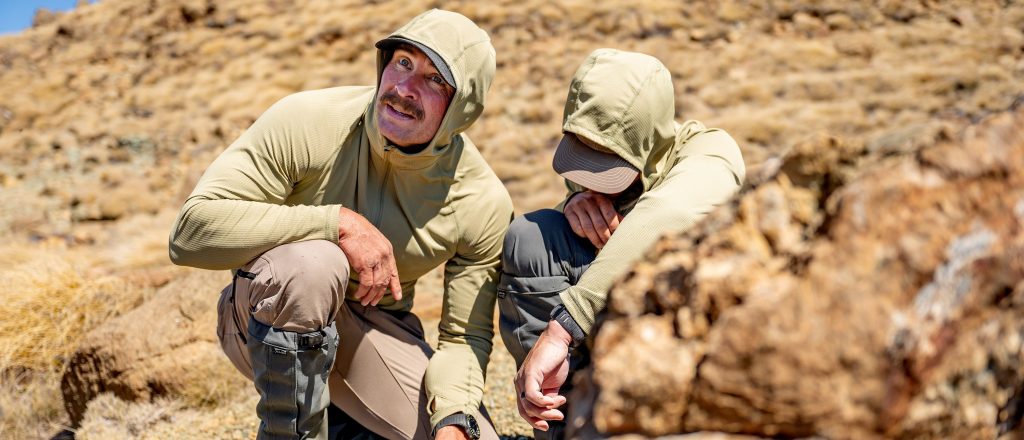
466	421
561	315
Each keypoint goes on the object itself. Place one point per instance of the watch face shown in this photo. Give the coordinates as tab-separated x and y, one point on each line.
473	429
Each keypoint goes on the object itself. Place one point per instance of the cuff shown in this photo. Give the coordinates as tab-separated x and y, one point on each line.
578	302
332	215
561	315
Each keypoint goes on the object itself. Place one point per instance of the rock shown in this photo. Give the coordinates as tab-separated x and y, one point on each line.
43	17
891	306
166	347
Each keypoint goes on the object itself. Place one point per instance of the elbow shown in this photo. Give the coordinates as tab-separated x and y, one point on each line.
182	247
178	253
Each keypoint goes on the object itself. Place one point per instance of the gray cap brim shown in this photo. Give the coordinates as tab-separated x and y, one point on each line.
595	170
442	67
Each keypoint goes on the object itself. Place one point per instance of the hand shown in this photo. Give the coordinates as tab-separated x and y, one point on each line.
370	255
451	432
592	216
543	372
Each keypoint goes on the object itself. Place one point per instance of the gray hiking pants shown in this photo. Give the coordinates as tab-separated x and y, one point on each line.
541	257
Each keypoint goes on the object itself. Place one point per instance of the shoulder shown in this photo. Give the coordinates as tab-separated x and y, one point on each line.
336	105
697	140
308	127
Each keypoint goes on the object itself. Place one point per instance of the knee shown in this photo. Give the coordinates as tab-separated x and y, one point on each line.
528	242
299	286
312	265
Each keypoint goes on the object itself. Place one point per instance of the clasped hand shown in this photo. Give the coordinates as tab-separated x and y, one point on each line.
370	255
543	372
592	215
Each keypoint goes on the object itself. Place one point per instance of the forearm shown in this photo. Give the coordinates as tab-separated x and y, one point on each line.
698	186
454	381
225	234
455	377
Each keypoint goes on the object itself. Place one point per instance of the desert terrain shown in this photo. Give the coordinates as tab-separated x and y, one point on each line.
110	112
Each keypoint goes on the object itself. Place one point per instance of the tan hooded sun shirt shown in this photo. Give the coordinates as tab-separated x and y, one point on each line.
625	102
313	152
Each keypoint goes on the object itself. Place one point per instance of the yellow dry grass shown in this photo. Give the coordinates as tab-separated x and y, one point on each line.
51	300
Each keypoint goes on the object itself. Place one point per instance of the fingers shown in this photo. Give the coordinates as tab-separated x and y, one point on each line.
587	227
593	216
365	284
597	219
531	391
377	289
558	399
533	421
574	223
611	217
537	416
396	285
371	255
394	282
389	279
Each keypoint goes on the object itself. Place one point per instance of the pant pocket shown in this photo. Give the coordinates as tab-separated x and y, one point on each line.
232	338
524	306
223	308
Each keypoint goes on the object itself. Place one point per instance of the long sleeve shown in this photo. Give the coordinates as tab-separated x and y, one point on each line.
455	376
238	209
706	176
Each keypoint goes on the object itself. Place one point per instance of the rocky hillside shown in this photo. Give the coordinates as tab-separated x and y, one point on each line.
108	114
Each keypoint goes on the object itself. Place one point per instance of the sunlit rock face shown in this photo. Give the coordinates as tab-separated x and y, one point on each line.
844	293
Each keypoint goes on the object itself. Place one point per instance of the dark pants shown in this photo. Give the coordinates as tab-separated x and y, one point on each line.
542	257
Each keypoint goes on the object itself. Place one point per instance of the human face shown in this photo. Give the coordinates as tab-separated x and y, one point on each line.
412	98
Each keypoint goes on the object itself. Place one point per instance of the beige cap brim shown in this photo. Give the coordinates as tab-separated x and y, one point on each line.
595	170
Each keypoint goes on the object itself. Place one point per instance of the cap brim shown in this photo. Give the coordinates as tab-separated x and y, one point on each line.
439	63
595	170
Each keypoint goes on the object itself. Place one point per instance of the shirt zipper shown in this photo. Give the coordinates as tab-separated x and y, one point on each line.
384	186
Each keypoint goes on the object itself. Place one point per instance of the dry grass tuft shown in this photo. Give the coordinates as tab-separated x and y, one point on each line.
49	304
110	418
48	308
30	405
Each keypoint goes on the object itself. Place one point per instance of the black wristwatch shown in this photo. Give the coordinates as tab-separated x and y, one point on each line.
466	421
561	315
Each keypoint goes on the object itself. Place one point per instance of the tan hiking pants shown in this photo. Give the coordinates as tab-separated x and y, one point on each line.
378	370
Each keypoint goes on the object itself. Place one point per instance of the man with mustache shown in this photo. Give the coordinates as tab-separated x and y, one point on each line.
633	174
328	209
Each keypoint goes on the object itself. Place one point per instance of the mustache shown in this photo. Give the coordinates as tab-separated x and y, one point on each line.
401	104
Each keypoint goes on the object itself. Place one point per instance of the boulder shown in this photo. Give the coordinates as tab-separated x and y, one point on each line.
166	347
845	293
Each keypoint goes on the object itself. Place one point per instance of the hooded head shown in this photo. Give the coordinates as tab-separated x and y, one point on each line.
618	122
444	47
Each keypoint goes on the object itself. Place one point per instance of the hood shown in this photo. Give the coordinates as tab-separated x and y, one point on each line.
625	102
468	52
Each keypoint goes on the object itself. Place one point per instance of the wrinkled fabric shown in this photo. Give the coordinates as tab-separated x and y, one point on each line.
314	152
625	102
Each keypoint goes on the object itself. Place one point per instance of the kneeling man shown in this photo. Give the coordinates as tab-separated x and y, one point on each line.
330	207
634	174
